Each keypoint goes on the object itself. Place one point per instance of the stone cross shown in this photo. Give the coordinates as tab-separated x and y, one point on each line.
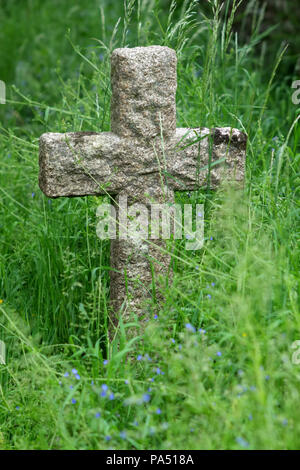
144	158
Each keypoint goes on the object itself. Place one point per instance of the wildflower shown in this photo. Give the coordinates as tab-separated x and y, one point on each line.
126	382
242	442
211	238
208	296
146	397
139	358
17	408
97	415
284	422
104	387
103	393
151	379
105	362
158	371
135	423
111	396
123	435
197	268
77	376
107	438
199	214
71	387
149	389
66	374
201	330
267	377
155	317
158	411
32	195
180	347
74	371
213	284
190	327
250	417
173	340
73	401
219	353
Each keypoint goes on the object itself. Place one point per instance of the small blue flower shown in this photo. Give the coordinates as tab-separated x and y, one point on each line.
73	401
250	417
155	317
158	411
17	408
77	376
146	397
97	415
151	379
180	347
208	296
201	330
190	327
107	438
135	423
219	353
111	396
32	194
173	340
104	387
211	238
242	442
123	435
267	377
139	358
158	371
66	374
71	387
126	382
149	389
74	371
103	393
213	284
284	422
105	362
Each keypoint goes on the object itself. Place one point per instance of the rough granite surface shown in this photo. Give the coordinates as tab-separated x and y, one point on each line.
143	157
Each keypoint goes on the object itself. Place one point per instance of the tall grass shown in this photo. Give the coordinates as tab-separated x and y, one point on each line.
214	369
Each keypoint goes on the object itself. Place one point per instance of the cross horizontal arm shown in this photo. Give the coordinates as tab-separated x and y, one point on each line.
197	154
82	164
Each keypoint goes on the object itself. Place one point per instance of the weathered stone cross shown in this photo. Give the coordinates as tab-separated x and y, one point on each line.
141	159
